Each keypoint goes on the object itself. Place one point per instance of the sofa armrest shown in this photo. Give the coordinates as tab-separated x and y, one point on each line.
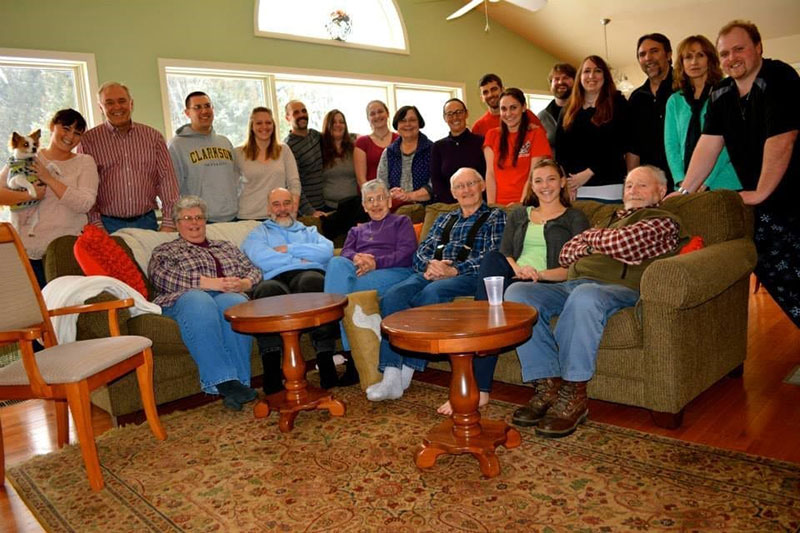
686	281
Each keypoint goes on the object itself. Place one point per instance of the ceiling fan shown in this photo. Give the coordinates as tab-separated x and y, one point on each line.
530	5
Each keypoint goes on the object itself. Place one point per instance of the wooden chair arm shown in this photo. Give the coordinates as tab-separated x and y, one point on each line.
16	335
111	307
90	308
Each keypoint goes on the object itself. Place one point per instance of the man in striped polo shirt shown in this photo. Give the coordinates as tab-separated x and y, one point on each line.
133	164
306	145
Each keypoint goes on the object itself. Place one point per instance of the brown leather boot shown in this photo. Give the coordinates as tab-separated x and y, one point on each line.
569	410
545	392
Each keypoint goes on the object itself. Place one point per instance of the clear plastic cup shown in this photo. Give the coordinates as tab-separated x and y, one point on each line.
494	289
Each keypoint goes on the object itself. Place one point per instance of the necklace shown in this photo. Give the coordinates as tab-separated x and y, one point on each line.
383	137
371	235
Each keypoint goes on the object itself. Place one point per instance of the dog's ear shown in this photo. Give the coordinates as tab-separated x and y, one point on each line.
35	135
15	138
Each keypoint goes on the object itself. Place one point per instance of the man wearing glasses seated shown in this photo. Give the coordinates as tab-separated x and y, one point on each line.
445	266
461	148
203	160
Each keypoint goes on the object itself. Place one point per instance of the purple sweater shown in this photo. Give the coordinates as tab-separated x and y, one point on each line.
392	241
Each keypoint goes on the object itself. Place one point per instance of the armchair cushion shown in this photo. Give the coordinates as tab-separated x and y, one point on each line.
68	363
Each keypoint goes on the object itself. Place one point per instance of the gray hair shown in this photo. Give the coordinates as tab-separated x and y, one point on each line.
657	173
465	169
188	202
373	186
108	85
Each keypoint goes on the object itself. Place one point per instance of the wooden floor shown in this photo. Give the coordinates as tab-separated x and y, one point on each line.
758	413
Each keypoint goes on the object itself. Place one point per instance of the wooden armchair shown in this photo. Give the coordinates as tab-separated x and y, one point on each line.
65	373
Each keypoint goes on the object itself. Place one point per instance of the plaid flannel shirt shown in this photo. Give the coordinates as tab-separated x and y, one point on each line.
488	238
175	267
631	245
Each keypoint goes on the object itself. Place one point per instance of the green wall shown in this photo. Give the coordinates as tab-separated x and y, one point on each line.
128	36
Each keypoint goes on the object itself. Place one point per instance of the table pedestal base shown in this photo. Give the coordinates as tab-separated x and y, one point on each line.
298	396
494	433
313	399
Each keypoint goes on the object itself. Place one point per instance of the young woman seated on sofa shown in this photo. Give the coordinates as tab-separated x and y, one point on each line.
532	240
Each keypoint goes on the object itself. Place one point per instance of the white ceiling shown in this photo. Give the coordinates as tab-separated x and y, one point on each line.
571	29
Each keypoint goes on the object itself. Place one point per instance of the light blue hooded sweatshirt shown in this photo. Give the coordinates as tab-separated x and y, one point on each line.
306	248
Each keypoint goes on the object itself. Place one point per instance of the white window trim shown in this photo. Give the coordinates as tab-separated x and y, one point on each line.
83	64
333	42
270	73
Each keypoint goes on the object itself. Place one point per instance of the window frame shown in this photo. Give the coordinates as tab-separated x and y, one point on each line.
269	74
332	42
537	94
82	64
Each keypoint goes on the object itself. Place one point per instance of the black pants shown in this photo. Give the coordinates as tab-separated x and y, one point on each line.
296	281
348	213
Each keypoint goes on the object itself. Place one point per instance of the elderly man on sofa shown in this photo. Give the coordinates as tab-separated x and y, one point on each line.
292	258
605	269
445	266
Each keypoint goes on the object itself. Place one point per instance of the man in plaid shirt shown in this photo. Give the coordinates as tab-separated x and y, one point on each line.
445	266
605	269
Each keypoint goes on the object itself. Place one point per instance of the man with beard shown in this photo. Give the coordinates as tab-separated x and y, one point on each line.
605	269
491	87
306	145
292	258
754	113
561	80
648	104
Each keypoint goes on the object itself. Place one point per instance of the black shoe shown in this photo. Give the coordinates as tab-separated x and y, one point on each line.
229	393
350	376
271	360
236	392
328	377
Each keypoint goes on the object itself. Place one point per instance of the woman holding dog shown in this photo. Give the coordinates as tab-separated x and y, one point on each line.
69	185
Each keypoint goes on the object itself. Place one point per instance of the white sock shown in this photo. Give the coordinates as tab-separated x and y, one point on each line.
406	374
390	388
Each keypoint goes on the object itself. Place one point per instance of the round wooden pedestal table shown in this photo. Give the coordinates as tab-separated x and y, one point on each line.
288	315
463	330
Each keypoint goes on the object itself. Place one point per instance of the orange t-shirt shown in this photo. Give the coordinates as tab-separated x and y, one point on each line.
510	180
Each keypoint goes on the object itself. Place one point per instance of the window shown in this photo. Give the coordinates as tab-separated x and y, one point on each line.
372	24
537	102
35	84
235	91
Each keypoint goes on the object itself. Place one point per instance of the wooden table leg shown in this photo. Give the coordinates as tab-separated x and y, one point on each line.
298	396
465	432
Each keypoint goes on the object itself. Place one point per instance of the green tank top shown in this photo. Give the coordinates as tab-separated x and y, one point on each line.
534	248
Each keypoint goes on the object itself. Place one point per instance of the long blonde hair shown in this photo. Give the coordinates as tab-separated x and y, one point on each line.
250	147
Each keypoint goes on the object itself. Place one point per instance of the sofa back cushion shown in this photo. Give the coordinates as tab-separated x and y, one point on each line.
716	216
142	242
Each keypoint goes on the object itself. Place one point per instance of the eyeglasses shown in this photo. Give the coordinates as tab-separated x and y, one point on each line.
198	107
195	218
457	113
463	185
379	199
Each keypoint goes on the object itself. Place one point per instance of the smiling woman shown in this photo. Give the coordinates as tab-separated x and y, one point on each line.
70	188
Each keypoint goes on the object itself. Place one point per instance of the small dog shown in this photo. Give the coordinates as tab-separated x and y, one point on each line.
21	175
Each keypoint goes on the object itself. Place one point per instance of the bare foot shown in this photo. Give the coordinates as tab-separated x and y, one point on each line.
446	409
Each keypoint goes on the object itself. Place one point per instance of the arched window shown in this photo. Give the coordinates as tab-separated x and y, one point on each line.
371	24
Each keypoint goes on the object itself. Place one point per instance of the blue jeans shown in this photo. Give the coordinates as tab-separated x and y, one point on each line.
220	353
341	278
146	221
583	308
416	291
493	264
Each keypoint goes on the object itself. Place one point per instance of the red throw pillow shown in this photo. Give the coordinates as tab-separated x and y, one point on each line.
98	255
695	243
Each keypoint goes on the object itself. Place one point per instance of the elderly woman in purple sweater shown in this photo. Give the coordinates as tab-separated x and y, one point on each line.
376	255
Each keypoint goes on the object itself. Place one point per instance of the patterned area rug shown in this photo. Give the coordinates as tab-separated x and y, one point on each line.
225	471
